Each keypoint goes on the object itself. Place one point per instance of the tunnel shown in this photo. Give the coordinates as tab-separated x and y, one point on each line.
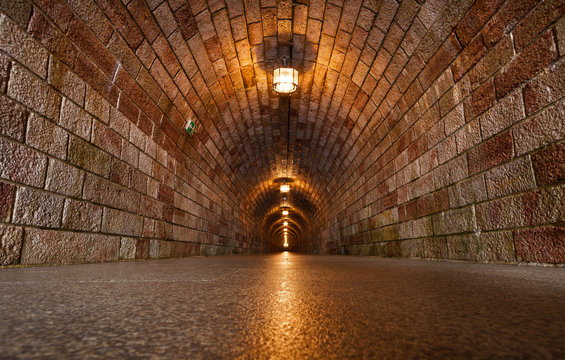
173	143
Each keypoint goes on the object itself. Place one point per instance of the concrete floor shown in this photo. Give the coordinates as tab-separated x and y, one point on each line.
282	306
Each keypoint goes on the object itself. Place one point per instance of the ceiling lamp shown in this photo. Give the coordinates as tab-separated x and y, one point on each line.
285	79
285	223
285	212
285	188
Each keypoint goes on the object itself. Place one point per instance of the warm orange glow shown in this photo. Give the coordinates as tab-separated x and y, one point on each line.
285	188
285	212
285	223
285	80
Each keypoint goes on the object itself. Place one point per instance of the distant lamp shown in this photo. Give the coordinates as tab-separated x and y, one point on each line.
285	79
285	223
285	244
285	212
285	188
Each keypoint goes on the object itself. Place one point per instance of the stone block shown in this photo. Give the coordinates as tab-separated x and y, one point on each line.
497	247
64	179
84	155
11	239
463	247
549	165
39	208
21	164
81	215
469	191
34	93
543	245
46	136
524	66
75	119
19	44
127	248
121	222
509	178
13	119
492	152
61	247
455	221
543	128
538	207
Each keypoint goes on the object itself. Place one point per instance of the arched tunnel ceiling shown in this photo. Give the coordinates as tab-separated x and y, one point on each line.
213	61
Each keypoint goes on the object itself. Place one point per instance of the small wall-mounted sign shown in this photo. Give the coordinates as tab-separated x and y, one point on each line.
190	127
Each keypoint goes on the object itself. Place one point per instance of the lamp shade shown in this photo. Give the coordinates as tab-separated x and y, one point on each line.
285	80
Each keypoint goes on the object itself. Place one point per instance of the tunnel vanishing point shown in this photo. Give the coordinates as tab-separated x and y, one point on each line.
420	129
158	129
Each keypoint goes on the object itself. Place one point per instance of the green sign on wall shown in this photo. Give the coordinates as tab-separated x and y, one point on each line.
190	127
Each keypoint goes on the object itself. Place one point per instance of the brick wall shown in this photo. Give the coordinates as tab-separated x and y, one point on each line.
94	165
469	160
427	129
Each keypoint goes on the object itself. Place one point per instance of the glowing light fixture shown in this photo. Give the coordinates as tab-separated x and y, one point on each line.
285	188
285	212
285	79
285	223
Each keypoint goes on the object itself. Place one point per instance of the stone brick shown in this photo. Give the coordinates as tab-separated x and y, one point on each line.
454	120
64	80
33	93
127	248
81	215
549	165
7	195
455	221
142	249
536	21
13	119
480	100
544	245
545	88
165	19
422	227
46	136
120	222
477	15
469	191
75	119
543	128
533	58
433	202
21	164
24	48
470	55
434	248
451	172
512	177
106	138
497	247
505	19
64	179
60	247
97	106
142	15
11	239
468	136
120	18
463	247
504	114
4	72
35	207
532	208
495	151
86	156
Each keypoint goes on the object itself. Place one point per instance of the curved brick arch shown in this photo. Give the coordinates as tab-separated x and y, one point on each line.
421	128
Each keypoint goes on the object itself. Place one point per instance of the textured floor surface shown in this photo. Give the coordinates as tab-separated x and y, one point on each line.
282	306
